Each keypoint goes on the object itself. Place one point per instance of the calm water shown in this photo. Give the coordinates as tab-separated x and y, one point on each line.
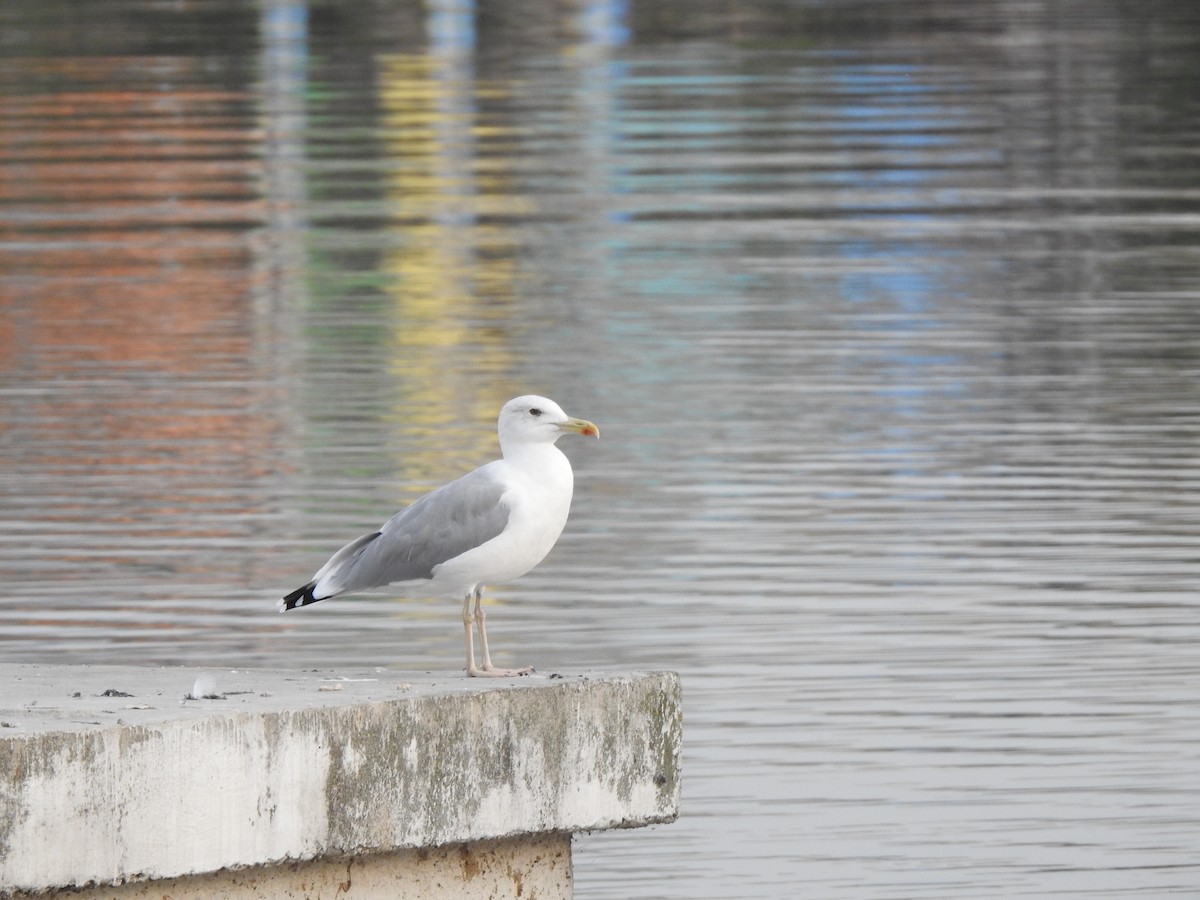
889	314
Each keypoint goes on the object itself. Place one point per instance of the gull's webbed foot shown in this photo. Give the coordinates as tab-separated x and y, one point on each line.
490	671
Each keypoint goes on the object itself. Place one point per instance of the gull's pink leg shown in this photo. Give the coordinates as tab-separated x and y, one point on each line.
488	669
468	620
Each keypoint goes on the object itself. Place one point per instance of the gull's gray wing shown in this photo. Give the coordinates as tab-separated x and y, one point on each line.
443	524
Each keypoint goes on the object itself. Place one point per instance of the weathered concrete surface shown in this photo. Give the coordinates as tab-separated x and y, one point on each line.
534	867
299	765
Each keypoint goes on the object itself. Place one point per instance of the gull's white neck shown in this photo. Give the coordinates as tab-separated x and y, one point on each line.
543	463
537	452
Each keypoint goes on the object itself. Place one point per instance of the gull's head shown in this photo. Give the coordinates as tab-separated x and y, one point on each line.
538	420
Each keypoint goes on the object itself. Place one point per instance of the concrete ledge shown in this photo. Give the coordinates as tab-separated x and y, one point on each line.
97	788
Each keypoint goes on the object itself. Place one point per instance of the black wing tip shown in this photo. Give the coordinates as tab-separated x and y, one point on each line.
300	597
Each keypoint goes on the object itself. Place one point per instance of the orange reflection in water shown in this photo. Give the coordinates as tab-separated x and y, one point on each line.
126	284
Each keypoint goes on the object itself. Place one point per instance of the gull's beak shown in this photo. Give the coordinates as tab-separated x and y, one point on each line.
580	426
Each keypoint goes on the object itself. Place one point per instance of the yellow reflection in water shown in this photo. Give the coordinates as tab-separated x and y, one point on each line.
452	276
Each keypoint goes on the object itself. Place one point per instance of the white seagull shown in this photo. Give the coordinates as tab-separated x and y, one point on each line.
488	527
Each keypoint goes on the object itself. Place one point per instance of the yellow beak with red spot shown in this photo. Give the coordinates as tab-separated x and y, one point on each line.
580	426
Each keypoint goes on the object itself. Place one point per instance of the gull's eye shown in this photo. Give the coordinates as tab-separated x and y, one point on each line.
535	412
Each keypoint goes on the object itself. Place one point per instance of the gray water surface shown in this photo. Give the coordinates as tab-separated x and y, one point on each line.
888	314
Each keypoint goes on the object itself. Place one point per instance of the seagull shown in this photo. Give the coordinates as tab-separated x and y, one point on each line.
489	527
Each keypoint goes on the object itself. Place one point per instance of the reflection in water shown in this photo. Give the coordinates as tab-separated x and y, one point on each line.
447	278
129	351
891	326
